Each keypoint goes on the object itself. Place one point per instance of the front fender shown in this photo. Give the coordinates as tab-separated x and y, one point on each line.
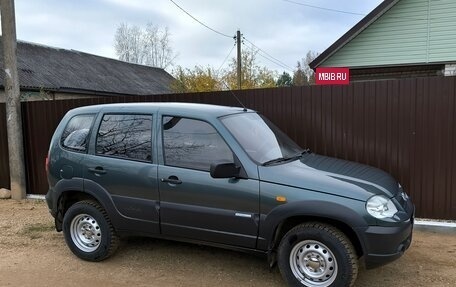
306	208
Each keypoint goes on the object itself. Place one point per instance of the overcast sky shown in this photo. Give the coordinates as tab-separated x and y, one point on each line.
282	29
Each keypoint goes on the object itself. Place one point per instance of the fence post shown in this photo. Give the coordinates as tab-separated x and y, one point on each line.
13	102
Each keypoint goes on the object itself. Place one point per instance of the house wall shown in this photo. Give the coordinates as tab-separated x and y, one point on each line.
412	31
45	95
63	96
391	73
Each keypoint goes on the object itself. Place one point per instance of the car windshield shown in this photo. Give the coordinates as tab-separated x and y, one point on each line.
261	139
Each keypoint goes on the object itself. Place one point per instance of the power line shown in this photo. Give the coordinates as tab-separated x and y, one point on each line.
267	56
213	30
326	9
226	58
361	14
262	54
272	61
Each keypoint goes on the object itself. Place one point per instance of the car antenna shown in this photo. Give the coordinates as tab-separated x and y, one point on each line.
239	101
234	95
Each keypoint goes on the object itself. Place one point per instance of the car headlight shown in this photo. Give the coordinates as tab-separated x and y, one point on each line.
381	207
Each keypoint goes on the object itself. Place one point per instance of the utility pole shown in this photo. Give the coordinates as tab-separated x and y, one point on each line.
239	66
13	103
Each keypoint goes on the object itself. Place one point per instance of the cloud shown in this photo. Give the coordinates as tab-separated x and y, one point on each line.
284	30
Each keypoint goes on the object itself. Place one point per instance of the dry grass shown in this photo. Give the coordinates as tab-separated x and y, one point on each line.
37	230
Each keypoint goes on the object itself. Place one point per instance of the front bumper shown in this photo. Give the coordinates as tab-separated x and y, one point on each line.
386	244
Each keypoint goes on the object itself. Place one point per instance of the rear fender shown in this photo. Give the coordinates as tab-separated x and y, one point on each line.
65	188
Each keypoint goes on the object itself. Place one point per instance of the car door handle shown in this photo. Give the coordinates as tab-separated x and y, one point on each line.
171	180
98	170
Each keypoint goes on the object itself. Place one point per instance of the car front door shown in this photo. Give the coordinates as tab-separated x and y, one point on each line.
194	205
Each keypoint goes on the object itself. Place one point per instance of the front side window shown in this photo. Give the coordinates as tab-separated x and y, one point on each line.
125	136
260	138
193	144
76	133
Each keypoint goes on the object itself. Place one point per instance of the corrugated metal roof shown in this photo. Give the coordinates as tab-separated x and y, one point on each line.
53	68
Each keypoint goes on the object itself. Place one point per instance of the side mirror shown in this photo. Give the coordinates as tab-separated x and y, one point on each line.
224	170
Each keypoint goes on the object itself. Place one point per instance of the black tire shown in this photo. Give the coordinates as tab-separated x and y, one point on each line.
317	254
88	231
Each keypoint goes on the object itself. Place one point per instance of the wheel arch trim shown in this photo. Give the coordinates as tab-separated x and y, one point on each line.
66	186
270	228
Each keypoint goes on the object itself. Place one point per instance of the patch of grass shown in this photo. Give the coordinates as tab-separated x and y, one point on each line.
34	231
34	203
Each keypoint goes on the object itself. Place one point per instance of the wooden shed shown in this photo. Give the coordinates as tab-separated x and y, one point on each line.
49	73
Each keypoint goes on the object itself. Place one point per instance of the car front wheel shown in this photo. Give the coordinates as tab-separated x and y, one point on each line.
88	231
317	254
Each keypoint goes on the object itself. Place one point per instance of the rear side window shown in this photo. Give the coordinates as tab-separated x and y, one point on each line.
193	144
76	133
125	136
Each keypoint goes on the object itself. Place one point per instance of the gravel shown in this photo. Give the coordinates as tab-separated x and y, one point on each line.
32	253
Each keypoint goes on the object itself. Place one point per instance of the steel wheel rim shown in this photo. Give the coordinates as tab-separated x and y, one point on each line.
313	263
85	232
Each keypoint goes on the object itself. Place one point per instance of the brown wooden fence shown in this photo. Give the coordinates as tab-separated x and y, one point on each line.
405	127
4	167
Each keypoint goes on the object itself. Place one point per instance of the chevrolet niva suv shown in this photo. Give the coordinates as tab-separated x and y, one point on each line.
220	176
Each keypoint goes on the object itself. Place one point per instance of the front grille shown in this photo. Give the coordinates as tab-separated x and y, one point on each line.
403	200
400	199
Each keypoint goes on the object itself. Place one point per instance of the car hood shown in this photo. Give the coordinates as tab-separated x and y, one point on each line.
331	175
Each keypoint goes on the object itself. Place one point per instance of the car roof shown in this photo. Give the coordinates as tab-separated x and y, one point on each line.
183	109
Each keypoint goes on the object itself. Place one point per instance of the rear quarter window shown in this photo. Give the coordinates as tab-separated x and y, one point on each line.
76	133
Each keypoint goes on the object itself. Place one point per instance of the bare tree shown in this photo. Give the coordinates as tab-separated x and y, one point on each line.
127	43
157	48
304	75
150	46
300	76
310	56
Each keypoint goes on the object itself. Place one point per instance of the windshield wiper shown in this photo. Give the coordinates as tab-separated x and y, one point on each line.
290	158
276	160
307	150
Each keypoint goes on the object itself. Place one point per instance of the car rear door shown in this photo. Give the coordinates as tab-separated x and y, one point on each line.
120	161
194	205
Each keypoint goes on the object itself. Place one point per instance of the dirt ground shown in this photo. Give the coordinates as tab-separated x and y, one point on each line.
32	253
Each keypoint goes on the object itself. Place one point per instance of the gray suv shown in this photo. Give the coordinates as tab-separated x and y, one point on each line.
221	176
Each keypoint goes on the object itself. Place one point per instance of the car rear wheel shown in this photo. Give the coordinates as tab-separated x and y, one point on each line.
317	254
88	231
